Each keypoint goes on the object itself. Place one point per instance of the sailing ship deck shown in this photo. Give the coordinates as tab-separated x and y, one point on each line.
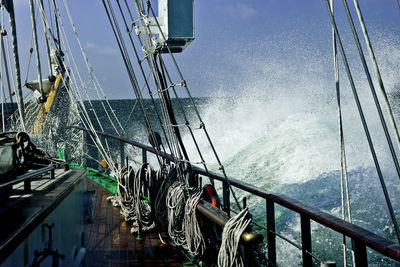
110	242
24	211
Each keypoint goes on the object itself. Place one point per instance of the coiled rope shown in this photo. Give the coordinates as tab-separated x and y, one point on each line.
194	237
165	177
131	191
176	211
142	185
228	254
124	197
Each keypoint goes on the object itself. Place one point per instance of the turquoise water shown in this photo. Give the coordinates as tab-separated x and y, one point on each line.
288	149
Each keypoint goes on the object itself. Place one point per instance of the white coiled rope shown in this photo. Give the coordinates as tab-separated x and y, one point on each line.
124	197
143	180
228	254
165	178
176	211
194	237
129	197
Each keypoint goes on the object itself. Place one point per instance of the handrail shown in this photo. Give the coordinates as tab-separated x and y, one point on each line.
361	236
33	174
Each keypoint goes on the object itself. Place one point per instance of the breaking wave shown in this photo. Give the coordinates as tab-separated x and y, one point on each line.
279	130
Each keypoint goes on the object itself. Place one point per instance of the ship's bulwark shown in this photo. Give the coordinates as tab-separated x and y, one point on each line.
283	150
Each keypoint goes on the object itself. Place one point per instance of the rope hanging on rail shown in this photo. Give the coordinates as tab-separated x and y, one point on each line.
165	177
135	193
194	237
176	211
229	253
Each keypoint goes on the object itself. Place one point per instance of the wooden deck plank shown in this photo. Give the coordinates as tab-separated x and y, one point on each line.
112	244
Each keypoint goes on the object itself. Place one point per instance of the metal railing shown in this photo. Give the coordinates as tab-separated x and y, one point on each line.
27	177
361	238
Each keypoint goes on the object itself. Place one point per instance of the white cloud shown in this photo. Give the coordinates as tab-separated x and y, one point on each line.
103	50
240	10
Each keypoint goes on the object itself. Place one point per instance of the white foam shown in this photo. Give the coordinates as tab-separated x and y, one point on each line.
283	126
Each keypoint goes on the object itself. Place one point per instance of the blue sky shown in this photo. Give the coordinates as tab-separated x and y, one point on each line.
233	37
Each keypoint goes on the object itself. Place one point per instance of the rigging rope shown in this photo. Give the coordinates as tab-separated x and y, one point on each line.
143	187
373	91
146	83
84	115
343	163
3	122
95	81
39	71
121	44
376	68
78	98
366	130
221	167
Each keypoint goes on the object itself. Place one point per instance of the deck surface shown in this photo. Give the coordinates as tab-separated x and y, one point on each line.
23	212
110	242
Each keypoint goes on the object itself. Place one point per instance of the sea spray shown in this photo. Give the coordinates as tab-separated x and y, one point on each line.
277	129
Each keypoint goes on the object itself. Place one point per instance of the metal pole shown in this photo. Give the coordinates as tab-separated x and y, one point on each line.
58	30
46	37
6	68
122	153
270	232
360	251
13	27
144	156
226	197
306	240
3	123
220	218
37	50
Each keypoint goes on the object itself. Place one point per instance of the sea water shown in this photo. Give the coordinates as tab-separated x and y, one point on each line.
279	132
281	147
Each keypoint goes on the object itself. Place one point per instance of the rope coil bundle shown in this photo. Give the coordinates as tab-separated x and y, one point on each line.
124	197
178	203
143	185
194	236
176	211
164	178
131	191
228	253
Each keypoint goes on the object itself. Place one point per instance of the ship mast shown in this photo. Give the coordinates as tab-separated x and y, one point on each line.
42	98
9	5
